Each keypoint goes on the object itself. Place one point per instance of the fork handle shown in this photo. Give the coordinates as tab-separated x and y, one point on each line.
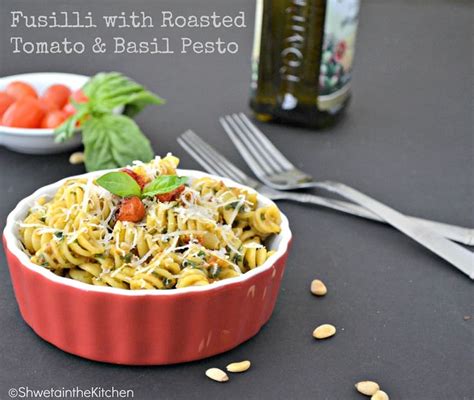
453	232
456	255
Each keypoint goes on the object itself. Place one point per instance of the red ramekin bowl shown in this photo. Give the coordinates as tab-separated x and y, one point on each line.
143	327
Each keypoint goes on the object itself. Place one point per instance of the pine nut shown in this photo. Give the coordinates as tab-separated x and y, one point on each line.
318	288
368	388
380	395
324	331
239	366
217	375
77	158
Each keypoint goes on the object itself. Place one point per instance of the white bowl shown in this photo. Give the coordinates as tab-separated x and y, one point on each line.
39	141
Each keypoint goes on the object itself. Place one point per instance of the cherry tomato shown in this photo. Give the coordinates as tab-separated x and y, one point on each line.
5	101
131	209
53	119
49	105
24	113
140	179
170	196
57	94
18	90
69	109
79	97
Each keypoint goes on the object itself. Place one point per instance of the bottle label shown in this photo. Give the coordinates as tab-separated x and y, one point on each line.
337	53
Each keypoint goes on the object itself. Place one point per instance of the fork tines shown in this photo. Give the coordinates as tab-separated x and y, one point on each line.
211	160
258	151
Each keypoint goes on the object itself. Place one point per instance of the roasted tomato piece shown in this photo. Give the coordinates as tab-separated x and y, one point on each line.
140	179
170	196
131	209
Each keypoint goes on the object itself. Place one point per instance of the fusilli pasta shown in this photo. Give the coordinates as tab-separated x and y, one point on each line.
209	232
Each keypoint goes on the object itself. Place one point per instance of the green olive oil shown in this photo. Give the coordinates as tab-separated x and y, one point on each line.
302	60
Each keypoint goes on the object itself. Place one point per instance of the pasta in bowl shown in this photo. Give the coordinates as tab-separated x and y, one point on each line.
87	261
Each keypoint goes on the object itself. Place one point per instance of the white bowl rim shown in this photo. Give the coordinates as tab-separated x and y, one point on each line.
11	240
35	131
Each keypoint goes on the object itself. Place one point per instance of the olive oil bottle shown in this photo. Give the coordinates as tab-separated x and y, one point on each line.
302	60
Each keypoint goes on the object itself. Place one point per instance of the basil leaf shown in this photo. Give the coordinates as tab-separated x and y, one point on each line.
108	91
164	184
112	141
139	101
119	183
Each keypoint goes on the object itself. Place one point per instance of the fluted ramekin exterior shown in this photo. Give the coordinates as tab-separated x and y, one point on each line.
147	329
142	327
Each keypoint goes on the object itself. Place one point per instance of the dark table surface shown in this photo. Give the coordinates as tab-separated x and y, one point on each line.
407	140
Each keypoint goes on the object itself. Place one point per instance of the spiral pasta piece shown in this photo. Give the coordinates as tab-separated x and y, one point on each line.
266	220
192	277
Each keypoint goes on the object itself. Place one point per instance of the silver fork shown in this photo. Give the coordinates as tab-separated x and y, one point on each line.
217	164
273	168
212	161
302	180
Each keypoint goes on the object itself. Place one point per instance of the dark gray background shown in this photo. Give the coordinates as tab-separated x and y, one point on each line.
407	140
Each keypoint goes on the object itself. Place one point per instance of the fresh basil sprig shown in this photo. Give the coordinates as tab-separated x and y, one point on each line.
163	184
110	140
107	91
123	185
120	184
113	140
